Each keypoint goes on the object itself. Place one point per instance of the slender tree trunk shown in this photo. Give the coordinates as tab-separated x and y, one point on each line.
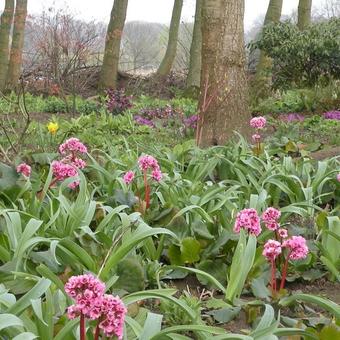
264	66
194	73
5	32
109	71
170	54
304	14
223	104
15	60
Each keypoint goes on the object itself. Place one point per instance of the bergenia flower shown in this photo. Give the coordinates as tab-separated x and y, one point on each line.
157	175
147	162
271	250
129	177
283	233
258	122
297	247
113	314
87	291
338	177
248	219
72	145
24	169
270	218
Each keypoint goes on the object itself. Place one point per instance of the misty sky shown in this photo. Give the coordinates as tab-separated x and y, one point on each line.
150	10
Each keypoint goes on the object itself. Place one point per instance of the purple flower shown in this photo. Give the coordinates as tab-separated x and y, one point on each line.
191	122
292	117
332	115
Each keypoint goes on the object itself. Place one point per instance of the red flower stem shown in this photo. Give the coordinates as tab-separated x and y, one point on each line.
273	279
82	327
96	333
284	273
147	190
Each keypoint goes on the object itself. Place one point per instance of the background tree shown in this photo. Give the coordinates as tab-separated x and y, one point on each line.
109	71
264	64
223	102
140	46
5	32
194	73
15	60
304	14
170	53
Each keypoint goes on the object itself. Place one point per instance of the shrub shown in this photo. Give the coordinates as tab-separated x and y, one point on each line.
302	58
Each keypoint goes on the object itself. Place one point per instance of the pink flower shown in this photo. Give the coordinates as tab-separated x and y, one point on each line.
338	177
129	177
256	137
147	162
271	250
297	247
248	219
72	145
113	312
283	233
258	122
270	218
87	291
24	169
79	163
62	170
157	175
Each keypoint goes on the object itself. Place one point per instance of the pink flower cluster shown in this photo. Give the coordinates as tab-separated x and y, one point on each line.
297	247
113	313
283	233
148	162
338	177
24	169
145	163
272	249
87	291
69	165
129	177
72	145
270	218
90	301
248	219
258	122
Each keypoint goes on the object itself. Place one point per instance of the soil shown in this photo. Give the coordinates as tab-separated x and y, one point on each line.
321	287
326	153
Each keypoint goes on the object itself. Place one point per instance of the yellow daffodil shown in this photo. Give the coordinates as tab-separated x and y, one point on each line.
52	127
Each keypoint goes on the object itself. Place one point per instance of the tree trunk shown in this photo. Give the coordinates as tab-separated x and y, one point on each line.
5	32
304	14
264	66
109	71
194	73
223	104
15	60
170	54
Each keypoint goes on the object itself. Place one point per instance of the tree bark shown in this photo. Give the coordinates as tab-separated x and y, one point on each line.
15	60
194	73
170	54
5	32
223	104
109	71
304	14
264	65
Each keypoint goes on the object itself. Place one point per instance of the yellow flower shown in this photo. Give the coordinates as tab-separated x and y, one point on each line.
52	127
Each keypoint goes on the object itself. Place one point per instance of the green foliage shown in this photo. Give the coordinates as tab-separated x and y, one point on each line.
302	58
